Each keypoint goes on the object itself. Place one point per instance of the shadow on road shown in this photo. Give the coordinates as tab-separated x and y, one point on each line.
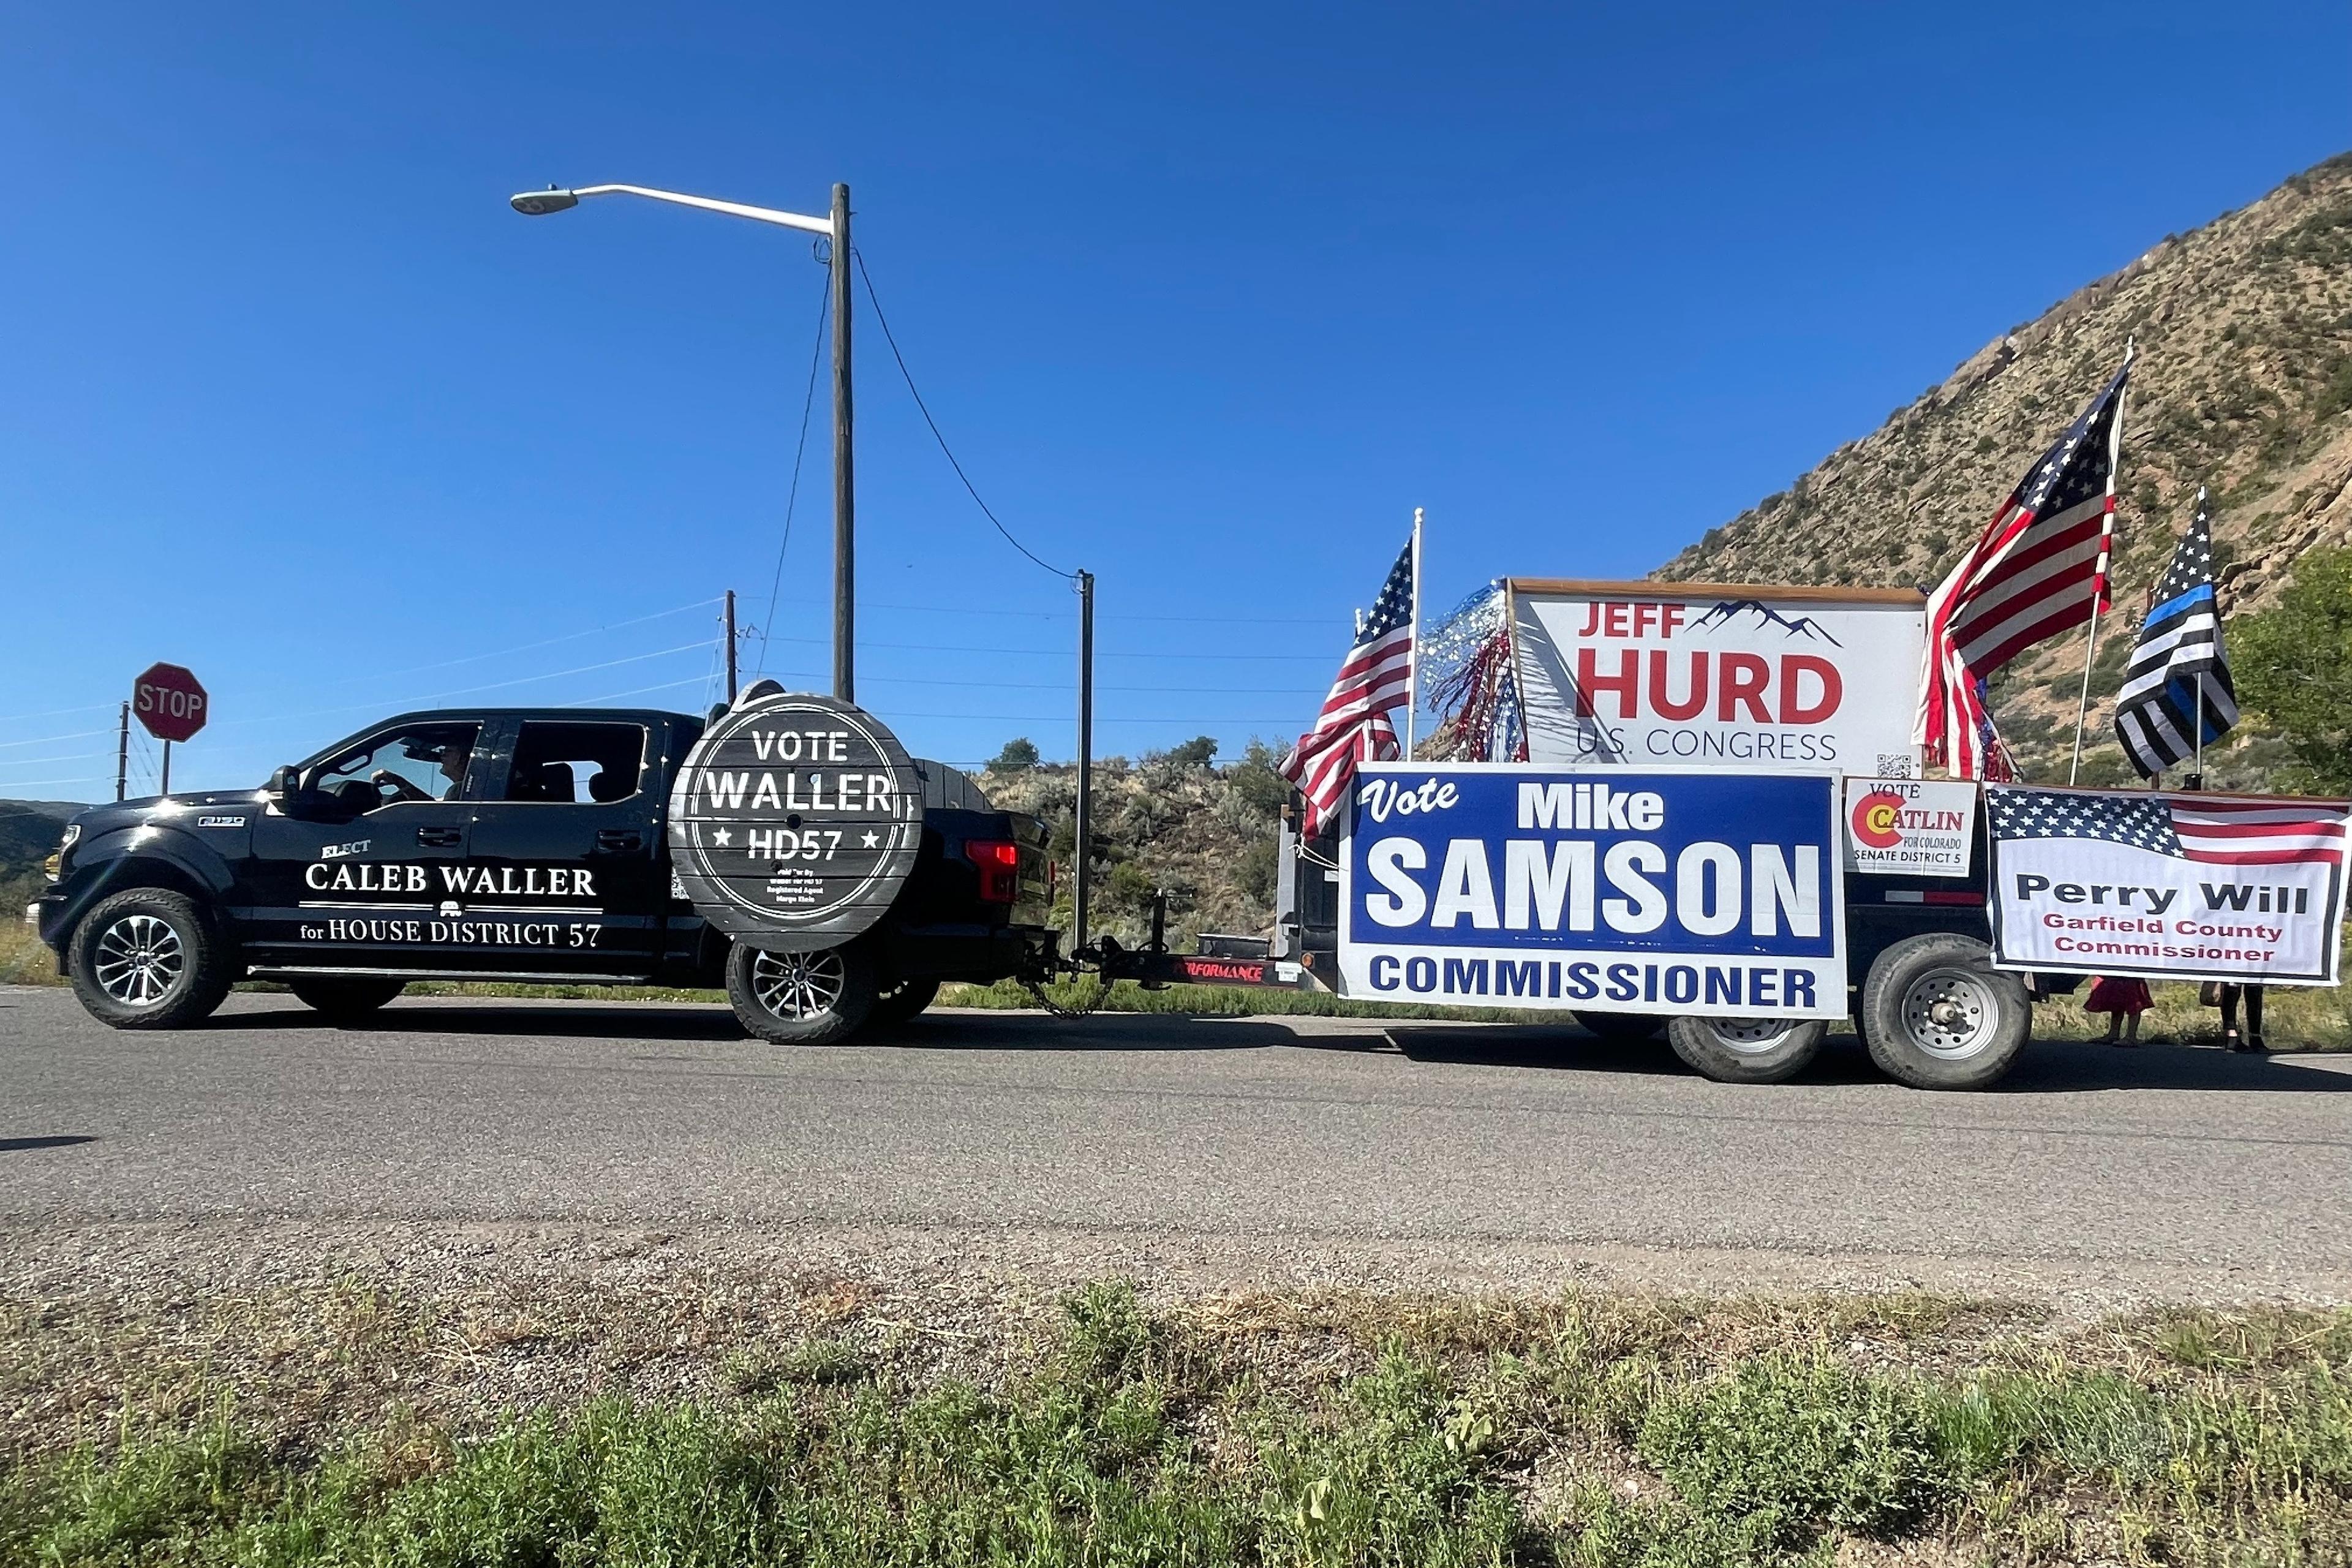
602	1021
60	1141
2045	1067
1099	1032
2072	1067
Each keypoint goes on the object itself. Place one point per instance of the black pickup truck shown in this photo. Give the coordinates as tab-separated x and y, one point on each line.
504	843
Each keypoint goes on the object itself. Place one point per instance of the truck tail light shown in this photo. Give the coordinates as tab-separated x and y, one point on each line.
999	860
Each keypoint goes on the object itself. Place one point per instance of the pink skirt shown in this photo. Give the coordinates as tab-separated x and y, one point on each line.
2119	996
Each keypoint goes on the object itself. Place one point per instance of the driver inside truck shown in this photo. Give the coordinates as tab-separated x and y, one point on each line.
452	759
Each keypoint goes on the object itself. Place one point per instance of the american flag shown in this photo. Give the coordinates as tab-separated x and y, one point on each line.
2177	682
2225	830
2040	568
1353	727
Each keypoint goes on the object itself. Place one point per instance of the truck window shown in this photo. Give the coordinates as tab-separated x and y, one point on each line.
566	763
423	762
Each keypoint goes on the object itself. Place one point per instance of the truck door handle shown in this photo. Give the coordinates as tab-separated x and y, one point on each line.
619	838
441	837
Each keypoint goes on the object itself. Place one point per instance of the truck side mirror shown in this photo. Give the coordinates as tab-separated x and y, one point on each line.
283	784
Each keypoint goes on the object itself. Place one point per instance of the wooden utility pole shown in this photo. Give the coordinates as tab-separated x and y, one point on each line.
1085	757
731	646
845	466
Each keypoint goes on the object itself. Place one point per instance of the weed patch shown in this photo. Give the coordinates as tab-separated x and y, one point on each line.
1312	1431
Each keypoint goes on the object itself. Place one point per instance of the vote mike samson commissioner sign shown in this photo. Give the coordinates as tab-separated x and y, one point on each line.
2168	887
1708	893
794	821
1669	675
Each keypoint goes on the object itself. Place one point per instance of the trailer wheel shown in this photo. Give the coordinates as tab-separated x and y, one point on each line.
1748	1050
802	998
1936	1014
1621	1026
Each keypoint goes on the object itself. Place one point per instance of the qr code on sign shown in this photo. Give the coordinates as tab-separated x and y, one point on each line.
1896	766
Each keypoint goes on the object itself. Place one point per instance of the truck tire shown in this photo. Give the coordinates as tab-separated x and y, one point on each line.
148	959
1748	1050
1936	1014
802	998
1621	1026
905	1002
345	998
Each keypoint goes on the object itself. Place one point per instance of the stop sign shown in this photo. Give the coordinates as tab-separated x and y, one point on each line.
169	701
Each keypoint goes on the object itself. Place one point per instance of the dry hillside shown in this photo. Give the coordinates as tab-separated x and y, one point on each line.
1204	834
2244	383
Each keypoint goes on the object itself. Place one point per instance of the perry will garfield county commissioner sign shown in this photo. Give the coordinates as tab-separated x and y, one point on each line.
2167	887
1767	679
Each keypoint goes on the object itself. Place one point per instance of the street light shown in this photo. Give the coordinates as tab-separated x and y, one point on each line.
539	203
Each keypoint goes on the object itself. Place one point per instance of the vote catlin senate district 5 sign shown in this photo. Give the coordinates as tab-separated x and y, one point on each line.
1691	892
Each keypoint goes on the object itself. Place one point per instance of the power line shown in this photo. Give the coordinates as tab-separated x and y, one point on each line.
884	323
527	647
1326	622
55	712
1061	718
1064	653
468	690
52	757
44	740
776	582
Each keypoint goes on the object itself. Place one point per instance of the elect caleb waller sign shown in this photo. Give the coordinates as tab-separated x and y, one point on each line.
794	821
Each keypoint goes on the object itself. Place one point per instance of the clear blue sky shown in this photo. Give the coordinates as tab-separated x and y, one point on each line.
1207	299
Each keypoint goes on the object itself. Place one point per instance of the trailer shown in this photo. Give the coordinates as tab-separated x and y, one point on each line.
1906	957
1707	739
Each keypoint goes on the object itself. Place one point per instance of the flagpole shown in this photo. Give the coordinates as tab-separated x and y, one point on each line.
1412	669
2106	558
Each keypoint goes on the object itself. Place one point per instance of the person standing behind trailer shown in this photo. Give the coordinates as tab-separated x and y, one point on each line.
2251	1041
2122	1001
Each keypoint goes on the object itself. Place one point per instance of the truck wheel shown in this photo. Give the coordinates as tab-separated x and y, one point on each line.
345	999
1615	1026
1936	1014
1748	1050
802	998
903	1004
148	959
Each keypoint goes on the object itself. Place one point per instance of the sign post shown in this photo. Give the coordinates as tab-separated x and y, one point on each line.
173	704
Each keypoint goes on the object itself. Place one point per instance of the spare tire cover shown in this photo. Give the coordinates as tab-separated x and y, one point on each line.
794	821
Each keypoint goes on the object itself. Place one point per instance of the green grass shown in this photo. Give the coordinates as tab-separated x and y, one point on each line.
1587	1431
2298	1018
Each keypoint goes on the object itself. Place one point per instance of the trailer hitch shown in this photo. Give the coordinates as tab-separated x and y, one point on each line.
1154	967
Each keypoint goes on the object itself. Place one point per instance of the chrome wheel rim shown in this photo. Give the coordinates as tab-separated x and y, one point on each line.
139	960
799	984
1950	1014
1751	1036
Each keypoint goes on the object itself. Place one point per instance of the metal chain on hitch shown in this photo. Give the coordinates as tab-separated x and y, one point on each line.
1057	1009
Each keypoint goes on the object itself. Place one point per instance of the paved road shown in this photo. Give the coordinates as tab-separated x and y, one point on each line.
2186	1162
